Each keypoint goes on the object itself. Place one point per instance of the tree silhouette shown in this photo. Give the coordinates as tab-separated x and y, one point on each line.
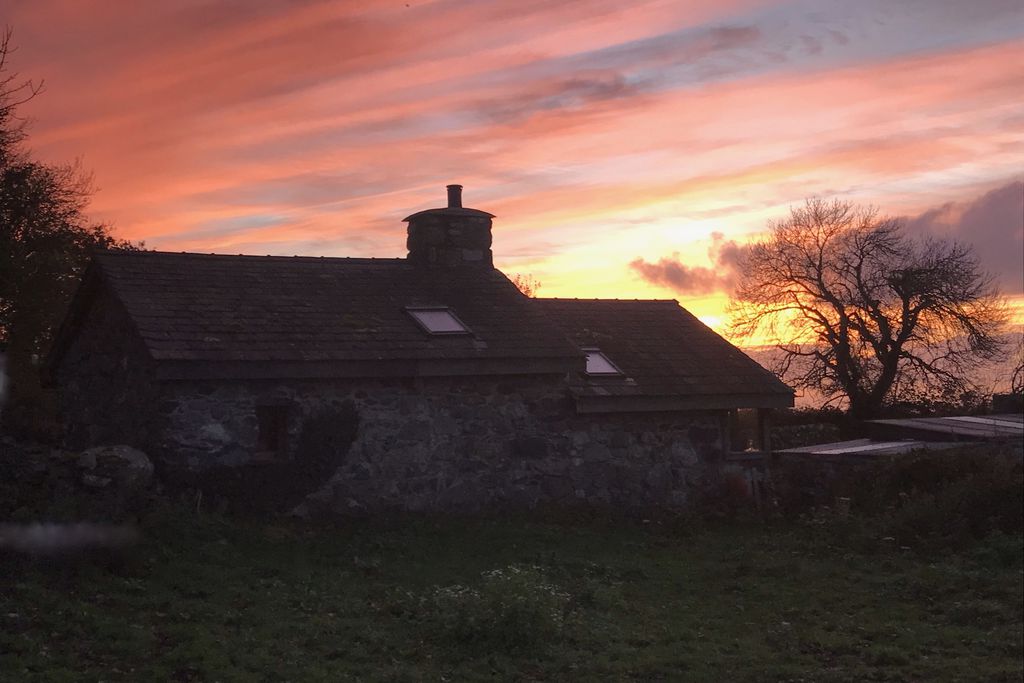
1017	376
45	242
527	284
862	311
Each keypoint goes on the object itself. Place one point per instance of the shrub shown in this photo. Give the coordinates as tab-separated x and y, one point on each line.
799	435
323	443
512	609
947	499
796	427
808	416
966	499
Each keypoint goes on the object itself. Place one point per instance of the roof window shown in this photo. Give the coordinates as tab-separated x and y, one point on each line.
600	364
437	320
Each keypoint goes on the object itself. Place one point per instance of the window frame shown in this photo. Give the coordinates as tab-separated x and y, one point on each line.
749	426
616	372
413	310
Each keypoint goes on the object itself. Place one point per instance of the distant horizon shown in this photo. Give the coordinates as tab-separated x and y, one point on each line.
991	378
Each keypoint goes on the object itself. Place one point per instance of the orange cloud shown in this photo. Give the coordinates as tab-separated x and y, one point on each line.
598	134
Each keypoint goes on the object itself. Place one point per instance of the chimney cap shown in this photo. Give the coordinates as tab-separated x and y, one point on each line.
454	207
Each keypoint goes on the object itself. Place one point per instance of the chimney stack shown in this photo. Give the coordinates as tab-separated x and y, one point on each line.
451	237
455	196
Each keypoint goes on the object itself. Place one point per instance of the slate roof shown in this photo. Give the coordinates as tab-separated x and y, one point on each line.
208	315
662	350
204	307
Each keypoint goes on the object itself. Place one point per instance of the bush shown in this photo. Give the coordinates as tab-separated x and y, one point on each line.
964	499
323	443
796	427
513	609
808	416
947	499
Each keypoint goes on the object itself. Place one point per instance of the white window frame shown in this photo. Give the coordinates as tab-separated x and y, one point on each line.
616	371
413	310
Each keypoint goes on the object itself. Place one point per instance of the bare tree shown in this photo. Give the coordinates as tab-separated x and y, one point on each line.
14	92
863	312
45	243
1017	376
527	284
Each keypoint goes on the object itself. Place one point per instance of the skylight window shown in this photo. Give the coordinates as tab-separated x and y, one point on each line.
438	320
600	364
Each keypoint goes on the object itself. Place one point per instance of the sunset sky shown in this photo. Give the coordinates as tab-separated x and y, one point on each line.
624	147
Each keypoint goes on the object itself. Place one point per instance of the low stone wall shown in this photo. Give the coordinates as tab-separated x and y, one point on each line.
443	444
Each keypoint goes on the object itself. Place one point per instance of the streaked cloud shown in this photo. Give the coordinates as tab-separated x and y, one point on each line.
601	133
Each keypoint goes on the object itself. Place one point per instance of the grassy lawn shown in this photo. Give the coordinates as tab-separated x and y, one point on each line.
206	598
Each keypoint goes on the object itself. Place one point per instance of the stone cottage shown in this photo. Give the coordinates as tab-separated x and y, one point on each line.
428	382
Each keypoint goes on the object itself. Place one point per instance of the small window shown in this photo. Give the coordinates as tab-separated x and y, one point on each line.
438	320
273	429
746	430
599	364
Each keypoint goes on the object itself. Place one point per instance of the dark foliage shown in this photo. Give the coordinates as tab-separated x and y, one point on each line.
945	497
932	500
324	442
45	242
278	486
796	427
1017	376
805	416
526	283
39	483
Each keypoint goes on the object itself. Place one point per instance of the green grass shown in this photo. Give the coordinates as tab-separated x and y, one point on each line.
208	599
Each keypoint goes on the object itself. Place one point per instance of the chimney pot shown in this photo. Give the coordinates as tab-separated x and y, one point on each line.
455	196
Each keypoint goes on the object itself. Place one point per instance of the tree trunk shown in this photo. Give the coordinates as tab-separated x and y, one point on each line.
864	406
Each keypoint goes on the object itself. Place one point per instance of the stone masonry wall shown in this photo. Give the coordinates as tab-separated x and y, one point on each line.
442	444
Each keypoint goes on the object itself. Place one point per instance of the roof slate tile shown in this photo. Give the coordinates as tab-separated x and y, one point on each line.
206	307
659	345
214	307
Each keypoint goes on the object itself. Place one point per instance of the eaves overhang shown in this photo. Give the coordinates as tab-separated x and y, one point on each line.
185	370
649	404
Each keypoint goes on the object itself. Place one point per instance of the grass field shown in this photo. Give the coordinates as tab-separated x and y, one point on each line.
206	598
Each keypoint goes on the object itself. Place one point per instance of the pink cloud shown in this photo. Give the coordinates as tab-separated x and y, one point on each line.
337	119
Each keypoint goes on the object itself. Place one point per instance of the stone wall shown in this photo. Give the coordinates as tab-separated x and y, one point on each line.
450	237
104	381
455	443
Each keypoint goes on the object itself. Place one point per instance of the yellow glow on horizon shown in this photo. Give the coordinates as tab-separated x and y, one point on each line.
592	144
1016	306
713	321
